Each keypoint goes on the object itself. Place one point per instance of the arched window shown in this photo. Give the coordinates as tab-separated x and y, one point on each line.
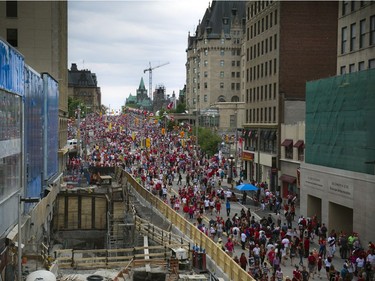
221	99
235	99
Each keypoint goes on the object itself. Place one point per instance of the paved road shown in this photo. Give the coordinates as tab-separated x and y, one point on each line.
258	213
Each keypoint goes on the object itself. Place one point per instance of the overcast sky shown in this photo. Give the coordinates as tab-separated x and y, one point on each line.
118	39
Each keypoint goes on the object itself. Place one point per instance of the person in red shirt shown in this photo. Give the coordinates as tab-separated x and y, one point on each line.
297	274
243	261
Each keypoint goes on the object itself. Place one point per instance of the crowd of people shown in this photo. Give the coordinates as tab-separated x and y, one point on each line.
167	160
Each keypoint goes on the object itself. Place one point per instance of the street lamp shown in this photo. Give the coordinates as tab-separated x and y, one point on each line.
231	162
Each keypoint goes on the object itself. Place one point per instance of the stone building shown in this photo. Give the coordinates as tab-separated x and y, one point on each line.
83	86
213	67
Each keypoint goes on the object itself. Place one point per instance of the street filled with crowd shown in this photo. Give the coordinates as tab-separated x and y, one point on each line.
264	233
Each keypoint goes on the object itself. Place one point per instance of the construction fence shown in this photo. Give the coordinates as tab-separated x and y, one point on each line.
217	255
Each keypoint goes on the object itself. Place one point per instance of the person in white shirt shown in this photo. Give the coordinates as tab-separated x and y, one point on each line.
256	251
331	245
243	240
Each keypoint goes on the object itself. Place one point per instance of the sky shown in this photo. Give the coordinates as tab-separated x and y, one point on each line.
118	40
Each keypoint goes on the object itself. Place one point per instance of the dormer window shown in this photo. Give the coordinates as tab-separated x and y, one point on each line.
225	20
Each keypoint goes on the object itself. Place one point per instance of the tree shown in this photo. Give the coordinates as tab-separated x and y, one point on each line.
72	106
208	140
180	108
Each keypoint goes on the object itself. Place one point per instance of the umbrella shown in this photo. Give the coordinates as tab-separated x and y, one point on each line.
246	187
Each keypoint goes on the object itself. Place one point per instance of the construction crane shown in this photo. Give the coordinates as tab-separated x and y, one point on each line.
150	69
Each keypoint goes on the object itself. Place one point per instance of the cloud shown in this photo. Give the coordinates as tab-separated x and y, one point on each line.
118	39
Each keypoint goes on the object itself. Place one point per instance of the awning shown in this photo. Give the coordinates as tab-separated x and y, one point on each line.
287	142
299	143
288	179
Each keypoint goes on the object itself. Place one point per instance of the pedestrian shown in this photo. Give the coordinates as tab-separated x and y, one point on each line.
243	240
319	264
279	274
305	274
229	246
243	261
311	263
227	206
300	251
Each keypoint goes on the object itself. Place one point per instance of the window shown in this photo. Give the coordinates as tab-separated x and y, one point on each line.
221	85
274	66
275	42
270	93
238	63
352	6
274	114
344	38
238	74
274	91
269	114
11	9
261	115
262	47
265	114
221	74
266	45
352	36
205	74
372	30
206	41
345	5
205	63
361	66
351	68
237	86
270	43
205	85
362	33
205	98
342	70
222	52
206	52
12	37
233	85
371	64
221	63
222	41
275	17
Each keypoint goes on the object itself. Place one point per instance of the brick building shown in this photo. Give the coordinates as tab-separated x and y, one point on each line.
286	44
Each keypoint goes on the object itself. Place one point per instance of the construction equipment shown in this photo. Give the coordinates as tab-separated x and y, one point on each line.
150	69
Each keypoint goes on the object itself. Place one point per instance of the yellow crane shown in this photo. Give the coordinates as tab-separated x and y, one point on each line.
150	69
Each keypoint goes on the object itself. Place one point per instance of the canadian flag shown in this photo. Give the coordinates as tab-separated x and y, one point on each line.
170	105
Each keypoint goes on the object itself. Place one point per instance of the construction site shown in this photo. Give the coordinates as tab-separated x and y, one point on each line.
112	232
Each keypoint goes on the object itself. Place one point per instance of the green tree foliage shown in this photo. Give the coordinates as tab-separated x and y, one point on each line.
72	106
180	108
208	140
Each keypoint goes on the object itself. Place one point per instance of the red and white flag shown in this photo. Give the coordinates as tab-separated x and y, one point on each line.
170	105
